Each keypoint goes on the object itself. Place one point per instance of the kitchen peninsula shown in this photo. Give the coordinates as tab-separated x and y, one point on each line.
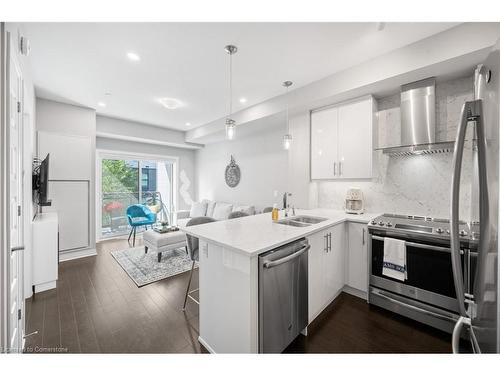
228	261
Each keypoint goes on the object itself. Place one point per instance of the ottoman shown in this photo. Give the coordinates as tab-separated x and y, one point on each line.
161	242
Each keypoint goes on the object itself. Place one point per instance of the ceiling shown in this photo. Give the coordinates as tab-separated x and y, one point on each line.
87	63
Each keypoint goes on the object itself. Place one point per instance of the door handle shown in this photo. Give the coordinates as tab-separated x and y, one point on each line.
412	307
471	111
17	248
288	258
455	337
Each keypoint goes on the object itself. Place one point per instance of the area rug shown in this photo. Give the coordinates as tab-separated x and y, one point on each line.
145	269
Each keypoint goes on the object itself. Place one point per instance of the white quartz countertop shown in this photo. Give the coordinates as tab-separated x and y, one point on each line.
252	235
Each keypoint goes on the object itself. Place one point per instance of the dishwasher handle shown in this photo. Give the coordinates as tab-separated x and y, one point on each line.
277	262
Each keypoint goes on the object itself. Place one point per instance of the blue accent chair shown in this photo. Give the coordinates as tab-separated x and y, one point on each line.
138	215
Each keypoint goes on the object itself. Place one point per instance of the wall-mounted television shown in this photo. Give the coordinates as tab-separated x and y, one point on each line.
41	182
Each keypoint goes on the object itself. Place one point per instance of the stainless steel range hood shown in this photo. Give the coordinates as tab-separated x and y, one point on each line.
418	121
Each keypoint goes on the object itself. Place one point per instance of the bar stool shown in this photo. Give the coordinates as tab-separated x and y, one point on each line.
193	245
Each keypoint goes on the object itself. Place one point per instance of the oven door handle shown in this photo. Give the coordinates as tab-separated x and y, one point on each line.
422	246
414	308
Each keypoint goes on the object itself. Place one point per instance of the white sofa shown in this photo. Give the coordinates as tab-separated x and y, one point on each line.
214	209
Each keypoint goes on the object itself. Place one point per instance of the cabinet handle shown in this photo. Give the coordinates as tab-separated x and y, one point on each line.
330	241
325	247
17	248
340	168
363	236
334	168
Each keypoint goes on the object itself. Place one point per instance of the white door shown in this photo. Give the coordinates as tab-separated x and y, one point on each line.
355	139
358	257
324	144
15	271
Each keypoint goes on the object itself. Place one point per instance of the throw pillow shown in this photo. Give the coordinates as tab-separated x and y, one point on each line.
198	209
222	211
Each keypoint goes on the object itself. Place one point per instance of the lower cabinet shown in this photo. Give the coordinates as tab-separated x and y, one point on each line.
326	267
357	256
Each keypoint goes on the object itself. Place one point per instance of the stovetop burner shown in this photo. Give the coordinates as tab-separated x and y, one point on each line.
421	226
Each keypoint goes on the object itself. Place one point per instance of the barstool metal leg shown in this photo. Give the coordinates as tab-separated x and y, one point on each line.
135	229
188	286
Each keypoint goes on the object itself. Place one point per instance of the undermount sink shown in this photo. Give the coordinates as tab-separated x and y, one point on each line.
308	219
293	223
301	221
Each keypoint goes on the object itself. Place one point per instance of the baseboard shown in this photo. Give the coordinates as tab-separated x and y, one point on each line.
76	254
355	292
45	286
205	345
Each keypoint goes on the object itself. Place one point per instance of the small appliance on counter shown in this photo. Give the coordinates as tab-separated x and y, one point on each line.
354	201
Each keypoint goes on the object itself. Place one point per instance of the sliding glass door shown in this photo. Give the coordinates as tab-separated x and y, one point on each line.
128	181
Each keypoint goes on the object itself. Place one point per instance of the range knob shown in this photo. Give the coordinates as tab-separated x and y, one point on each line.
388	224
373	222
439	230
463	233
447	231
381	223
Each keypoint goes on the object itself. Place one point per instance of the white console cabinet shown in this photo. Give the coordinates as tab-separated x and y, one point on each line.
45	251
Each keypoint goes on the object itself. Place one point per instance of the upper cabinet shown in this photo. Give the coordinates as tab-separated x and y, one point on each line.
342	141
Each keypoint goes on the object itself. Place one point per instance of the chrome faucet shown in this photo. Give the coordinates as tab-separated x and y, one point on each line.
286	205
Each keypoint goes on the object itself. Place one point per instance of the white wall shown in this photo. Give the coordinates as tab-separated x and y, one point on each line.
72	120
186	166
263	164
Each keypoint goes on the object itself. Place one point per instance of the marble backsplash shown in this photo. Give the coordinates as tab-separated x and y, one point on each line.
419	184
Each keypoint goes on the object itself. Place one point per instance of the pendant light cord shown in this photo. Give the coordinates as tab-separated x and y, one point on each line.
287	121
230	85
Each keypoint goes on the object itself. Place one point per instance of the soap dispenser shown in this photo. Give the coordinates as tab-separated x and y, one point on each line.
275	212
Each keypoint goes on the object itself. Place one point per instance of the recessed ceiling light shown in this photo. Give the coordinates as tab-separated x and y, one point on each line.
188	124
243	100
133	56
170	103
101	104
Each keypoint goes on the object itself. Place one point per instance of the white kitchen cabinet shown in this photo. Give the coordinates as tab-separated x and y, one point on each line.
316	270
324	147
342	141
355	139
357	257
326	268
335	279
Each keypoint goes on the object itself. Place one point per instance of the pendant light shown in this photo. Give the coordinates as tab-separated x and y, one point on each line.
287	138
230	123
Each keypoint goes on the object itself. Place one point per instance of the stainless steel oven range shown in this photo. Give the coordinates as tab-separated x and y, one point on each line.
428	293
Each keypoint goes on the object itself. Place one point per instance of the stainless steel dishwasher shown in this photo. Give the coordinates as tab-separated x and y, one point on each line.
283	295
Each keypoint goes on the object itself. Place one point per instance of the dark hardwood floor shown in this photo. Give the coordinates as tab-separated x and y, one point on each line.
97	308
350	325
